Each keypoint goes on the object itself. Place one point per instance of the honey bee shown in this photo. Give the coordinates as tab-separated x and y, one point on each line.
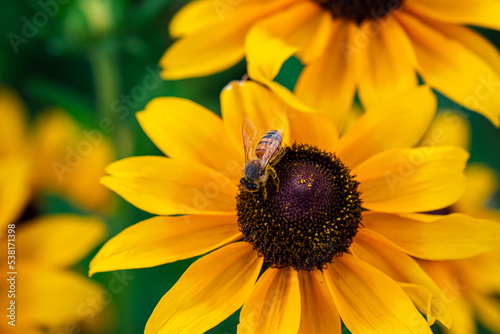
267	152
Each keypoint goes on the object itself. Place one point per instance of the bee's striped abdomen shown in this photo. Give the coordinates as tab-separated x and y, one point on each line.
270	142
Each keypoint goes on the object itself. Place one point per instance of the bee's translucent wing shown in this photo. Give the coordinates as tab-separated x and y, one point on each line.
269	145
249	131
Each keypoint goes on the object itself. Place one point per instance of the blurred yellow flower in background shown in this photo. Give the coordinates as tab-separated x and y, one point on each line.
373	47
54	155
42	293
371	281
470	285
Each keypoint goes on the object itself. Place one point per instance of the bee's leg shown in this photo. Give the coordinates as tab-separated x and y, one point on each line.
278	157
275	178
264	192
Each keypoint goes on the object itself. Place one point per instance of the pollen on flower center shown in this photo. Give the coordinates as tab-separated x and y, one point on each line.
307	218
359	10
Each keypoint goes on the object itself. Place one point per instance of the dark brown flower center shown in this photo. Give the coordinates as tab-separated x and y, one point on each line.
307	218
359	10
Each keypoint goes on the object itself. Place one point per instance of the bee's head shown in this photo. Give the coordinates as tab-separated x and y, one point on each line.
249	186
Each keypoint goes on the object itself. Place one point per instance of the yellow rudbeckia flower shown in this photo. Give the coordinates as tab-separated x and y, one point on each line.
373	47
55	154
470	285
320	264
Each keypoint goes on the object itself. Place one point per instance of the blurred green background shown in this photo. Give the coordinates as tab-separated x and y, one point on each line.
97	59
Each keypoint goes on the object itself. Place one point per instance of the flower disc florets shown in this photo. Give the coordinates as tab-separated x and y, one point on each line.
359	10
307	218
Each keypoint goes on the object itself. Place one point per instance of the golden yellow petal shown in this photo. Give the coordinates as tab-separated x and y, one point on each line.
318	313
160	240
436	237
368	301
208	292
187	131
399	122
487	310
15	188
470	39
329	82
166	186
383	255
215	46
195	16
453	69
412	180
274	305
59	240
302	27
55	297
353	116
313	129
242	99
482	182
387	62
449	127
482	13
13	119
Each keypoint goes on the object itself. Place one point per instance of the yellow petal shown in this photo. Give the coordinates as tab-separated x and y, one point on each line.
436	237
353	116
216	46
399	122
464	321
428	173
313	129
194	17
55	298
265	55
479	12
488	311
387	62
328	83
274	305
166	186
71	160
241	99
456	295
449	127
482	183
185	130
59	240
383	255
472	40
303	27
13	119
15	188
318	313
203	53
451	68
160	240
412	180
369	301
208	292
